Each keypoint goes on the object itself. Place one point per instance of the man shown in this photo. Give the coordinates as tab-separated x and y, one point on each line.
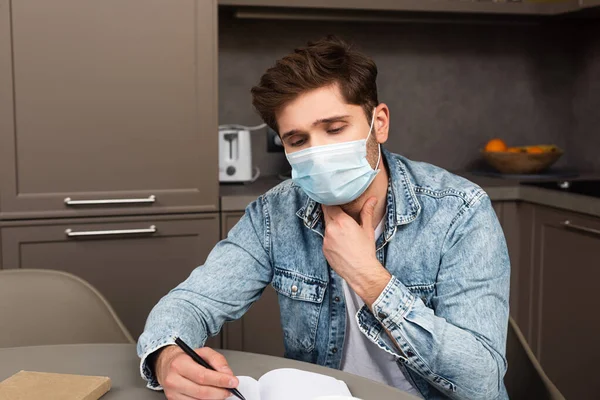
384	267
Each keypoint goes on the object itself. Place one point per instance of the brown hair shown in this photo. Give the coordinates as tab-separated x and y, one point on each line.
322	63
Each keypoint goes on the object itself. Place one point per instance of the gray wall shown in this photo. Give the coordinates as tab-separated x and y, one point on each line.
584	141
450	87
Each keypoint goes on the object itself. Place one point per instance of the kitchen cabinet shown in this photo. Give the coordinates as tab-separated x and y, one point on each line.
107	107
6	95
259	330
132	261
507	216
498	209
516	220
554	258
565	319
518	228
483	7
228	221
589	3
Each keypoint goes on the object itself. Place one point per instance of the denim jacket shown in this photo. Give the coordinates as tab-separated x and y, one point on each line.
446	305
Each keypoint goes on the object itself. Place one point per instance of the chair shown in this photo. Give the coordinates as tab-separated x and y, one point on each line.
525	378
43	307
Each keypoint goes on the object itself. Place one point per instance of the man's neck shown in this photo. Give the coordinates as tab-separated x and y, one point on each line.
378	189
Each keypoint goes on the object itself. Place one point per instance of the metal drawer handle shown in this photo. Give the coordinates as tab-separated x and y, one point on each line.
151	230
569	225
70	202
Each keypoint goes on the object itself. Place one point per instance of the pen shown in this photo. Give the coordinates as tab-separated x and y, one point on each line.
188	350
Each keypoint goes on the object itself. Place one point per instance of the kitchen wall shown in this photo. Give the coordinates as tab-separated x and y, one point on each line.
450	87
584	142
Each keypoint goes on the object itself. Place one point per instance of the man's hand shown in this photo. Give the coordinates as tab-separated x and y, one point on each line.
181	378
349	248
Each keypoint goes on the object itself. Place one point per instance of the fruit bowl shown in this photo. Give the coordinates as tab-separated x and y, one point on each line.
521	160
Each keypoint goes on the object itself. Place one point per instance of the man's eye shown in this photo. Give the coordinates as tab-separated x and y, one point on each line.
336	130
296	143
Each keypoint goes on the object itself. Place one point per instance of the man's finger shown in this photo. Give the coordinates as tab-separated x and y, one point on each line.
332	212
367	212
196	373
215	359
187	389
178	396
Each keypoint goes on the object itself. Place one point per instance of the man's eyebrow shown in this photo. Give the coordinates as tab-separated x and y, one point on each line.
327	120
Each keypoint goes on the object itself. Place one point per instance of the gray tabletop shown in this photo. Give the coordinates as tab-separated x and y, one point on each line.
120	363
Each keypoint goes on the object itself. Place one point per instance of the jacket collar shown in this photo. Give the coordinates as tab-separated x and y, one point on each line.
402	204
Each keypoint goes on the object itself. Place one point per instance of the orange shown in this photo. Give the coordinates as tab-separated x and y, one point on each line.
496	145
515	150
535	150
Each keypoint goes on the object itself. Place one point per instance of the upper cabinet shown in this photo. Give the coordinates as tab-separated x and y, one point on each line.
107	107
523	7
589	3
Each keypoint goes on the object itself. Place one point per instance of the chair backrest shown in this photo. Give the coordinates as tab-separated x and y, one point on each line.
525	378
43	307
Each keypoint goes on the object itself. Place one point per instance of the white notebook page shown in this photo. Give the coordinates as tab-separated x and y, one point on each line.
290	384
248	387
294	384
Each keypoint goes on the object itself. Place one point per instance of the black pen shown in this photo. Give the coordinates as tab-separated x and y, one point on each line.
188	350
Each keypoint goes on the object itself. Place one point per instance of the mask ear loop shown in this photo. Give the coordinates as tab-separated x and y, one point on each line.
378	158
378	144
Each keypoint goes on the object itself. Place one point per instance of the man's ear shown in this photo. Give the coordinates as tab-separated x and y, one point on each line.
381	126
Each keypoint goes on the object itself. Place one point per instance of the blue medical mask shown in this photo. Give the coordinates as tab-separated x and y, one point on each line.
336	173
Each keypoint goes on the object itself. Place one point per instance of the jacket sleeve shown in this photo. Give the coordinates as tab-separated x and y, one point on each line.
459	344
234	275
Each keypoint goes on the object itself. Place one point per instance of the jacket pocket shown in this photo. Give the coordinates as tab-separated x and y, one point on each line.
300	300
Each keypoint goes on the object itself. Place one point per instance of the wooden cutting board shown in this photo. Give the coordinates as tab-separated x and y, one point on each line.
26	385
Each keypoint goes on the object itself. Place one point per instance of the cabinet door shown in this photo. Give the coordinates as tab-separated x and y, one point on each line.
567	272
590	3
517	223
228	221
498	208
132	270
518	227
6	93
480	6
259	330
107	100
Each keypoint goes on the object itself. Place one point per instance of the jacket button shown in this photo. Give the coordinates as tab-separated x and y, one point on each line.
382	315
337	299
409	353
334	350
294	289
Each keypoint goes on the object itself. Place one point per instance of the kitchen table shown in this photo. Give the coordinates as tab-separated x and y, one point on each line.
121	364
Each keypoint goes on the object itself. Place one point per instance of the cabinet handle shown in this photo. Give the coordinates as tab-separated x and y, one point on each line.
151	230
70	202
569	225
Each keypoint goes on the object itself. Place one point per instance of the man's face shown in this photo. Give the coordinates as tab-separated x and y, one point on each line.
322	117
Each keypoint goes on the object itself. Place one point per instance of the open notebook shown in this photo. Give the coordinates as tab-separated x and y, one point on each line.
290	384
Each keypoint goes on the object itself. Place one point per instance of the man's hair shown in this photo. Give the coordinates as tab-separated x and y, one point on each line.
322	63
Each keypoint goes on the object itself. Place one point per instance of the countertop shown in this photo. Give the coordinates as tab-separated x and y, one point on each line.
235	197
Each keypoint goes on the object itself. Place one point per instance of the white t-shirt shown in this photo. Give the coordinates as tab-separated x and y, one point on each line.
363	357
